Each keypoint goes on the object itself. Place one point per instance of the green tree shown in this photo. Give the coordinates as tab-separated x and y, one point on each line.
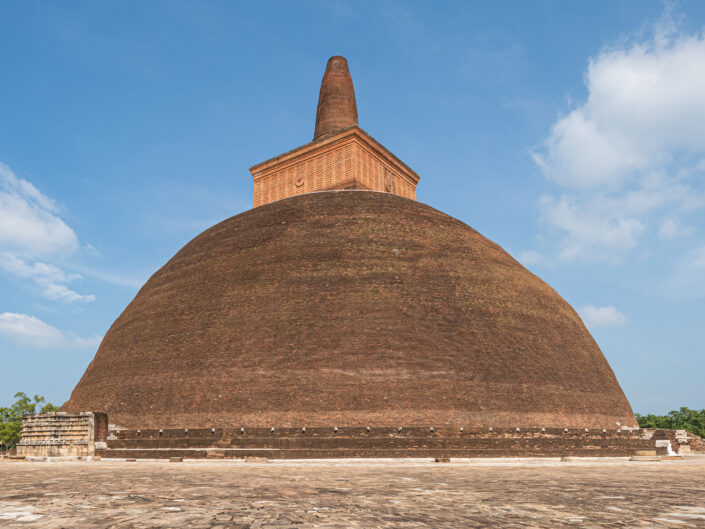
682	419
11	417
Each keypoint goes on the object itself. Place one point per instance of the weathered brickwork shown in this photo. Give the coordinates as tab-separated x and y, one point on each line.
349	308
337	109
342	155
344	442
348	159
61	434
338	301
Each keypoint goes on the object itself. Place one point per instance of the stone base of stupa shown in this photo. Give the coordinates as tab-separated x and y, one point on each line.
359	442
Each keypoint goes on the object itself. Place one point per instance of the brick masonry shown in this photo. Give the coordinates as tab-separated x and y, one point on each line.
340	300
347	159
341	155
349	308
337	108
444	442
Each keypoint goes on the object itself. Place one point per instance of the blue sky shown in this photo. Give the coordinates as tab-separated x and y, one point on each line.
572	134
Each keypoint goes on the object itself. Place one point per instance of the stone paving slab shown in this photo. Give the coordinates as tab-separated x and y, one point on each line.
361	493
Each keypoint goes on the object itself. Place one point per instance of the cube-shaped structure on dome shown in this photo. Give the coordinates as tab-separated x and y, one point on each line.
347	159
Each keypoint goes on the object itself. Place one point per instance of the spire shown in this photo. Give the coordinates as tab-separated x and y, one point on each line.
341	155
336	101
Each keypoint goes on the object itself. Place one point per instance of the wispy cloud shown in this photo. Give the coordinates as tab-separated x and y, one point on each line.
530	257
133	282
33	332
595	317
49	280
29	223
673	228
31	229
687	282
633	152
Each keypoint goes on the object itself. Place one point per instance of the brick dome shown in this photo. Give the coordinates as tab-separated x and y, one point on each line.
348	308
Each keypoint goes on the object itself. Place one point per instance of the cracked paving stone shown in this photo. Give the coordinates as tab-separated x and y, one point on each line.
351	494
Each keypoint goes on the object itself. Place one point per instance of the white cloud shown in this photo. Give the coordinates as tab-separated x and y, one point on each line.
580	155
602	316
688	280
114	278
645	104
28	330
29	228
590	228
634	150
530	257
29	224
671	228
49	279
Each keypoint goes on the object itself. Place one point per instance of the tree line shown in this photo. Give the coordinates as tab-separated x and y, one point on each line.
683	419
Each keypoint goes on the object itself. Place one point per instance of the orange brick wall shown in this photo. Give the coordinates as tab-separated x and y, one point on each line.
374	174
344	165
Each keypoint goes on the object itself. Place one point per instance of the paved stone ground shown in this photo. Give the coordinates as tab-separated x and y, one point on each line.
367	493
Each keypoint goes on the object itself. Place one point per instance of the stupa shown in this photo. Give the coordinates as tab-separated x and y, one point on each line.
339	301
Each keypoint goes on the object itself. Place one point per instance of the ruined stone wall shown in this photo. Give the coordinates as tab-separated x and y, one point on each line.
682	442
62	434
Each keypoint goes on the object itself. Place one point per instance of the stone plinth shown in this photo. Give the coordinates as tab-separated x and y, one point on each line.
357	442
62	434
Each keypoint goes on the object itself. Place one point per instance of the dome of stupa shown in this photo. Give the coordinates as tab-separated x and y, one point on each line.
341	301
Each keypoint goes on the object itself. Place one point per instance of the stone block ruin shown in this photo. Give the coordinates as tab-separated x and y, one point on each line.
63	434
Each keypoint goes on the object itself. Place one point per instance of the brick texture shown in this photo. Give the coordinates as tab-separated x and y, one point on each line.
349	308
292	443
341	155
347	159
337	108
